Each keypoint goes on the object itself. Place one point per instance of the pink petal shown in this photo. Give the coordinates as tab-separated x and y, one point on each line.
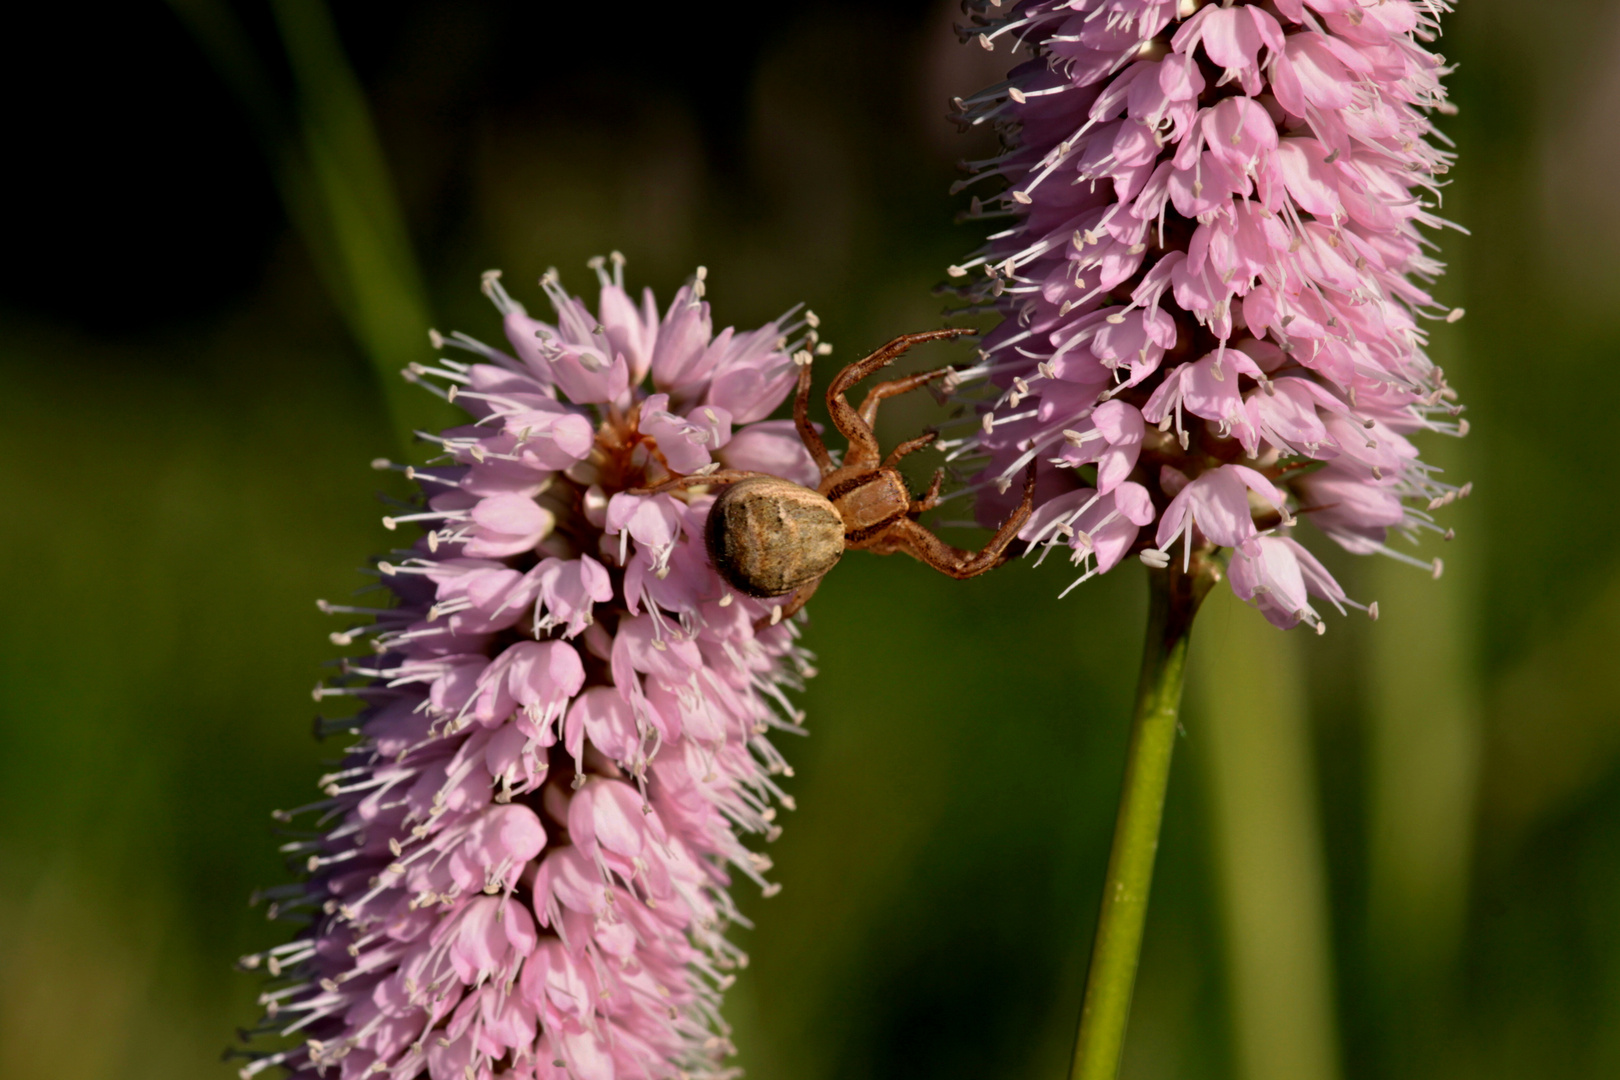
511	514
774	447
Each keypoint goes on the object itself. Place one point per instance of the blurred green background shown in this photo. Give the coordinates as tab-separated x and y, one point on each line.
1393	851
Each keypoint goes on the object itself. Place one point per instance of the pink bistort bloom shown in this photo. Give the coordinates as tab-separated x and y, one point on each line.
1213	281
521	868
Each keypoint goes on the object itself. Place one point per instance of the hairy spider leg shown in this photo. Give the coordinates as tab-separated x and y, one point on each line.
721	476
801	596
913	539
807	431
864	452
887	355
908	446
868	411
930	500
894	388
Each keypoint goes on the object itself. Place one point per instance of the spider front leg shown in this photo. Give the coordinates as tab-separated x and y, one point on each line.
795	604
718	477
888	354
894	388
930	500
920	543
908	446
807	431
864	451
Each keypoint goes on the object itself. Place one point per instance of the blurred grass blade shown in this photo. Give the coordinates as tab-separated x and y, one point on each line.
335	184
387	304
1555	723
1247	683
228	48
1424	756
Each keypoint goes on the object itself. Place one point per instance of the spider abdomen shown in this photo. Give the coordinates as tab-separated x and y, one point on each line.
768	537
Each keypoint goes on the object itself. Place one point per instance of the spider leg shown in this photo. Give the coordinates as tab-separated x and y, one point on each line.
923	545
864	451
807	431
894	388
800	597
908	446
721	476
913	539
887	355
930	500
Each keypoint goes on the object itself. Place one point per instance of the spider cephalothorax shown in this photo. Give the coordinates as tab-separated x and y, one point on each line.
770	537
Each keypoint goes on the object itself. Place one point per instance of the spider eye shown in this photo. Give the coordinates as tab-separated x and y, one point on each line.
768	537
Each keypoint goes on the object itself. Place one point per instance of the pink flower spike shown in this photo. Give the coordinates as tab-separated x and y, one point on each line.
1215	222
1098	528
520	868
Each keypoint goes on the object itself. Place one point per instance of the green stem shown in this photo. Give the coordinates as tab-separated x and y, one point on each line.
1174	601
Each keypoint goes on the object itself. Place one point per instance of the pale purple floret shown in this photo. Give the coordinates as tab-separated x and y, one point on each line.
521	868
1212	281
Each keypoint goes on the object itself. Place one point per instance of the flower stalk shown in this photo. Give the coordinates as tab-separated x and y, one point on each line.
1174	597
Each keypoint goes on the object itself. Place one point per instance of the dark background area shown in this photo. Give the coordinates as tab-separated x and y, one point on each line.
1392	851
